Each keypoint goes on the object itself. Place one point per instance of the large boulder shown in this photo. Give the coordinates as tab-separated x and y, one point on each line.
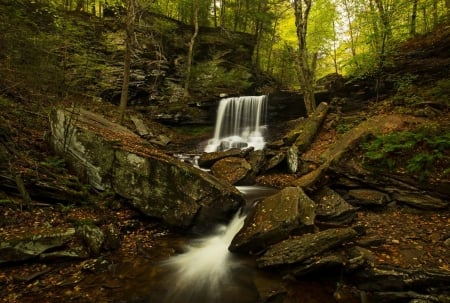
110	157
273	220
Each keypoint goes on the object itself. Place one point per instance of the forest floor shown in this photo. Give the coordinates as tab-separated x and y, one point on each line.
412	238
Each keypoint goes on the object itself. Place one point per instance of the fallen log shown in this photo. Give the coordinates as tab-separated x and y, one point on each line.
309	128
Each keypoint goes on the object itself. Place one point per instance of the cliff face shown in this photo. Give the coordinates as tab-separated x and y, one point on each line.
222	66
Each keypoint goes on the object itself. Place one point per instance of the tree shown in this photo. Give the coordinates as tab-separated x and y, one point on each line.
305	62
127	59
412	27
191	50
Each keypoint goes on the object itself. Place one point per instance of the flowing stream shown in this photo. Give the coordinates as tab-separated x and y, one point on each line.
240	123
207	271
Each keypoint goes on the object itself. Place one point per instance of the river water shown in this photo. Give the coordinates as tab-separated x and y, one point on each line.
206	272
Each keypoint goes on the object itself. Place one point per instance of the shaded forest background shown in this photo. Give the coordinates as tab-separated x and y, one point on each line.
51	48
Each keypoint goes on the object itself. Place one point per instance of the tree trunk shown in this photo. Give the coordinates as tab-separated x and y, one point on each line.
351	32
412	28
309	129
447	5
191	51
127	60
305	68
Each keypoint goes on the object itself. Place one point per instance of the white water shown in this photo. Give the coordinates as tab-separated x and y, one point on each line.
239	123
205	266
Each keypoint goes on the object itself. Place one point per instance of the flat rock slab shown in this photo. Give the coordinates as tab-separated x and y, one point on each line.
29	248
298	249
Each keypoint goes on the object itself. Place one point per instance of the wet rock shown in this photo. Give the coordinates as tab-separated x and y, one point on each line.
364	196
92	236
332	208
32	247
231	169
110	157
300	248
394	279
273	220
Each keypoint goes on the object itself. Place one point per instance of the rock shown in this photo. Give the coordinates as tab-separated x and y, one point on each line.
300	248
312	179
394	279
78	253
231	169
141	128
110	157
273	219
160	140
420	200
331	82
292	159
402	296
206	160
328	264
256	159
369	197
32	247
92	237
332	208
274	161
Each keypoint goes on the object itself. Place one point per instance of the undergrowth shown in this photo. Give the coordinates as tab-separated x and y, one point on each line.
418	152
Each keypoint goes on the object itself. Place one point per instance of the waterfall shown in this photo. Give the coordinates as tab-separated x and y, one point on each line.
240	123
207	271
204	269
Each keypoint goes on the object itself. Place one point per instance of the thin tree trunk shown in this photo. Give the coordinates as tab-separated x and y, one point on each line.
305	69
412	28
191	51
215	13
222	13
447	5
351	32
127	60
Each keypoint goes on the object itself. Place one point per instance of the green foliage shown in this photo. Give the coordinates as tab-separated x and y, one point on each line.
440	92
55	163
406	93
417	151
210	76
194	130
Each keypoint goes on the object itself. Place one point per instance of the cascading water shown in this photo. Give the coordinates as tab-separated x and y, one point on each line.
240	123
208	272
204	269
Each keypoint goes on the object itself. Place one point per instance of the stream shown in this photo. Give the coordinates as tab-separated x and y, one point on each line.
205	271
